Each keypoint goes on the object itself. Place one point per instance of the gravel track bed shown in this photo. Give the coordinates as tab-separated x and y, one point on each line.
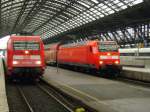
15	101
38	99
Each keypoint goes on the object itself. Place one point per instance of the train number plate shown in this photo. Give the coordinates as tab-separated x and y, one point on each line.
109	57
26	62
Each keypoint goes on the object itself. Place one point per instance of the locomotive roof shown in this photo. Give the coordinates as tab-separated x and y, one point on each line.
84	43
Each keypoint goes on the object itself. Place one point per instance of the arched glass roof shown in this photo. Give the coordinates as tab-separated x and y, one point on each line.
52	17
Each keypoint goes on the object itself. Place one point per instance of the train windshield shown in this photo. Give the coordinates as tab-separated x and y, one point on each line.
108	46
26	45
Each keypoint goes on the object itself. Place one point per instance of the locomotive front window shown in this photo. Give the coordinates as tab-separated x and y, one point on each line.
26	45
104	47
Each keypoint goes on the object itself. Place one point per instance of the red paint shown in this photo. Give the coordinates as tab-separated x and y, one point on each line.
86	54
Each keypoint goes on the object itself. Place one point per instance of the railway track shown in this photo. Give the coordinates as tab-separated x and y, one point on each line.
41	88
40	97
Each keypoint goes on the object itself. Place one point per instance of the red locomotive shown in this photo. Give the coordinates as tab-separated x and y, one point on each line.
25	57
93	55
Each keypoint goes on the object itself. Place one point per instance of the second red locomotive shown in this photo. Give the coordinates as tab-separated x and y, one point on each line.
94	55
25	57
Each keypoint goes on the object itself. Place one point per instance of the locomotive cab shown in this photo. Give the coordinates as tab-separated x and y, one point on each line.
108	52
109	56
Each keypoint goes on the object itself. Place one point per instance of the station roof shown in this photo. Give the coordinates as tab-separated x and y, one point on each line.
50	18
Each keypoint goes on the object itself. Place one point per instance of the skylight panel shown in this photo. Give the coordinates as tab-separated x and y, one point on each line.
84	4
120	4
95	1
137	1
124	7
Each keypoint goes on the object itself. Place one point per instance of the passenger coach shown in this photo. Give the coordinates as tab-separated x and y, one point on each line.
51	53
25	57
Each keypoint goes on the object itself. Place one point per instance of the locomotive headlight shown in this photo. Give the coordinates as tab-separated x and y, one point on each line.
101	62
15	62
38	62
26	52
108	54
116	62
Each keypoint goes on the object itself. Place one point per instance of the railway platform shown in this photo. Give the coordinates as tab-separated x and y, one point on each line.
142	74
3	98
104	95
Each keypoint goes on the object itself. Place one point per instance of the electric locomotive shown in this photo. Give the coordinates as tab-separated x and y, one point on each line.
25	57
94	55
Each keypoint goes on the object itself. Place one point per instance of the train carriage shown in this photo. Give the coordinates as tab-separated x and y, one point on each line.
25	57
51	53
